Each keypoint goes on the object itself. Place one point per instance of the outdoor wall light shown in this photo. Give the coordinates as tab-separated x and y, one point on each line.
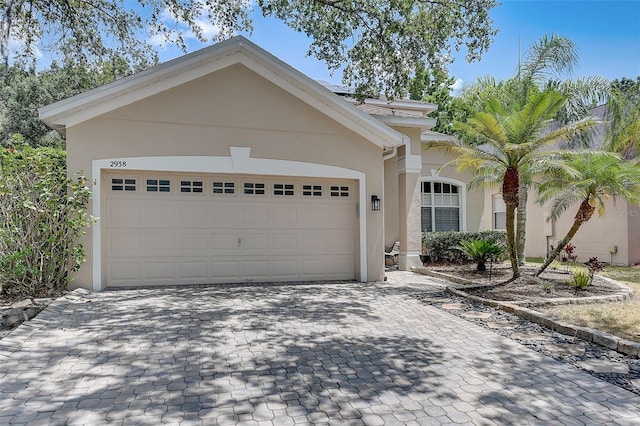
375	203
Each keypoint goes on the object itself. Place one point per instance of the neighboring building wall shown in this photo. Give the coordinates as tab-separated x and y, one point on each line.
620	227
633	216
232	107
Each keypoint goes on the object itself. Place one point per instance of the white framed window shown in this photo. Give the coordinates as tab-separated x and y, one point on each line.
339	191
312	190
191	186
123	184
499	212
220	187
158	185
442	205
283	189
253	188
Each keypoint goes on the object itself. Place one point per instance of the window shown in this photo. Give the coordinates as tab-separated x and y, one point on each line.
251	188
339	191
283	189
224	187
194	186
312	190
499	212
120	184
440	207
158	185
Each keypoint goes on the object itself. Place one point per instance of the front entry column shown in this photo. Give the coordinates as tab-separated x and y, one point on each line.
410	220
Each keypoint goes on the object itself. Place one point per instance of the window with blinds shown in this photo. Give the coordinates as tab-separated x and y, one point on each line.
440	207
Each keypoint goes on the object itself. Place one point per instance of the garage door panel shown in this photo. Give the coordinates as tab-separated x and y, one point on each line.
188	242
312	217
123	273
224	242
192	215
284	269
123	244
157	215
198	238
255	242
283	217
254	216
223	215
157	243
158	271
284	242
252	269
195	271
123	213
224	270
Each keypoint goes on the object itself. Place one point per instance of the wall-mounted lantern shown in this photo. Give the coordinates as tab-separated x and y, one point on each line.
375	203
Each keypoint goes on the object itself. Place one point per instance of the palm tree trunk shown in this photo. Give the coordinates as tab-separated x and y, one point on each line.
511	240
585	211
510	186
521	222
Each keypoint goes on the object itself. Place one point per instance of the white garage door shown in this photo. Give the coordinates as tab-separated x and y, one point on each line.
196	229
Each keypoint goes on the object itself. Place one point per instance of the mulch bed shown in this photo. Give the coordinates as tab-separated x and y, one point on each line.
550	285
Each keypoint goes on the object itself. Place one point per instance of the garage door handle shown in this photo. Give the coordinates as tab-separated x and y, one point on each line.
239	242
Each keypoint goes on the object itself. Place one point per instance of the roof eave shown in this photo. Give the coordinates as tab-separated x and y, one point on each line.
93	103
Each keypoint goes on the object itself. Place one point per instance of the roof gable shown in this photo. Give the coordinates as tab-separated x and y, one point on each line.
237	50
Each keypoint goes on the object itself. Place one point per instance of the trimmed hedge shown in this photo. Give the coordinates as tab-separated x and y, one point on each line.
441	246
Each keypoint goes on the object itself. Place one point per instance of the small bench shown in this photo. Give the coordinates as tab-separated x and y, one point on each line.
391	255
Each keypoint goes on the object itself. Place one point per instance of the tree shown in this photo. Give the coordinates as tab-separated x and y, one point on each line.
593	178
624	113
380	43
434	86
26	90
510	139
543	66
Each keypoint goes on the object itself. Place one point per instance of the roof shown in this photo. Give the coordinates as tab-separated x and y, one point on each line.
237	50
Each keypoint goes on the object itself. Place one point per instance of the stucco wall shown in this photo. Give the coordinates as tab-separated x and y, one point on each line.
432	160
232	107
620	226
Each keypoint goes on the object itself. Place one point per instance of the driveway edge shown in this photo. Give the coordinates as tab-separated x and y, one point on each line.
14	340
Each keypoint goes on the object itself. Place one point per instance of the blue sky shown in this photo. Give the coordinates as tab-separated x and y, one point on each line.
606	32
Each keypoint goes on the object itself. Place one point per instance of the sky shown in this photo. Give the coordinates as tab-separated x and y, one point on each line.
606	32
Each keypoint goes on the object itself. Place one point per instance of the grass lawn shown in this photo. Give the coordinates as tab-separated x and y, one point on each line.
621	318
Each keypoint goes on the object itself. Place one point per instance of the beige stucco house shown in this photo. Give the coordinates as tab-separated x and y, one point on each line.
228	165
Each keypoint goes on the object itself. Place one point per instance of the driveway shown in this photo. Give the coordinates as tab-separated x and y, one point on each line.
288	354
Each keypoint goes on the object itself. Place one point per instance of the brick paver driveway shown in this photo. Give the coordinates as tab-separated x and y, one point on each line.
277	355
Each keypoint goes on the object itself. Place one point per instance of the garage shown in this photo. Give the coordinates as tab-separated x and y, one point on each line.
194	228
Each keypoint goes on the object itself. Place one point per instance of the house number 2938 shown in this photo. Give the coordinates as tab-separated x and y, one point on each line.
117	163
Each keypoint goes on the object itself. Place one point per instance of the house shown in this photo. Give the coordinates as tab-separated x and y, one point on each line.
227	165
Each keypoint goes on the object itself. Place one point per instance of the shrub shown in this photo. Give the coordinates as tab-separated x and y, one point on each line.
481	250
441	246
43	215
580	278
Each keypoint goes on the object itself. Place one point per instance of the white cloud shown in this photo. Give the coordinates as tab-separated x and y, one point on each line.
457	85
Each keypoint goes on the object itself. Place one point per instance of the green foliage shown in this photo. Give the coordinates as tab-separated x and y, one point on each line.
481	250
380	44
580	278
443	246
24	91
624	112
43	215
434	86
590	179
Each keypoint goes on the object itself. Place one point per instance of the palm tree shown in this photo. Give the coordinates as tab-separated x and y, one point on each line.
543	66
624	112
595	177
511	140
